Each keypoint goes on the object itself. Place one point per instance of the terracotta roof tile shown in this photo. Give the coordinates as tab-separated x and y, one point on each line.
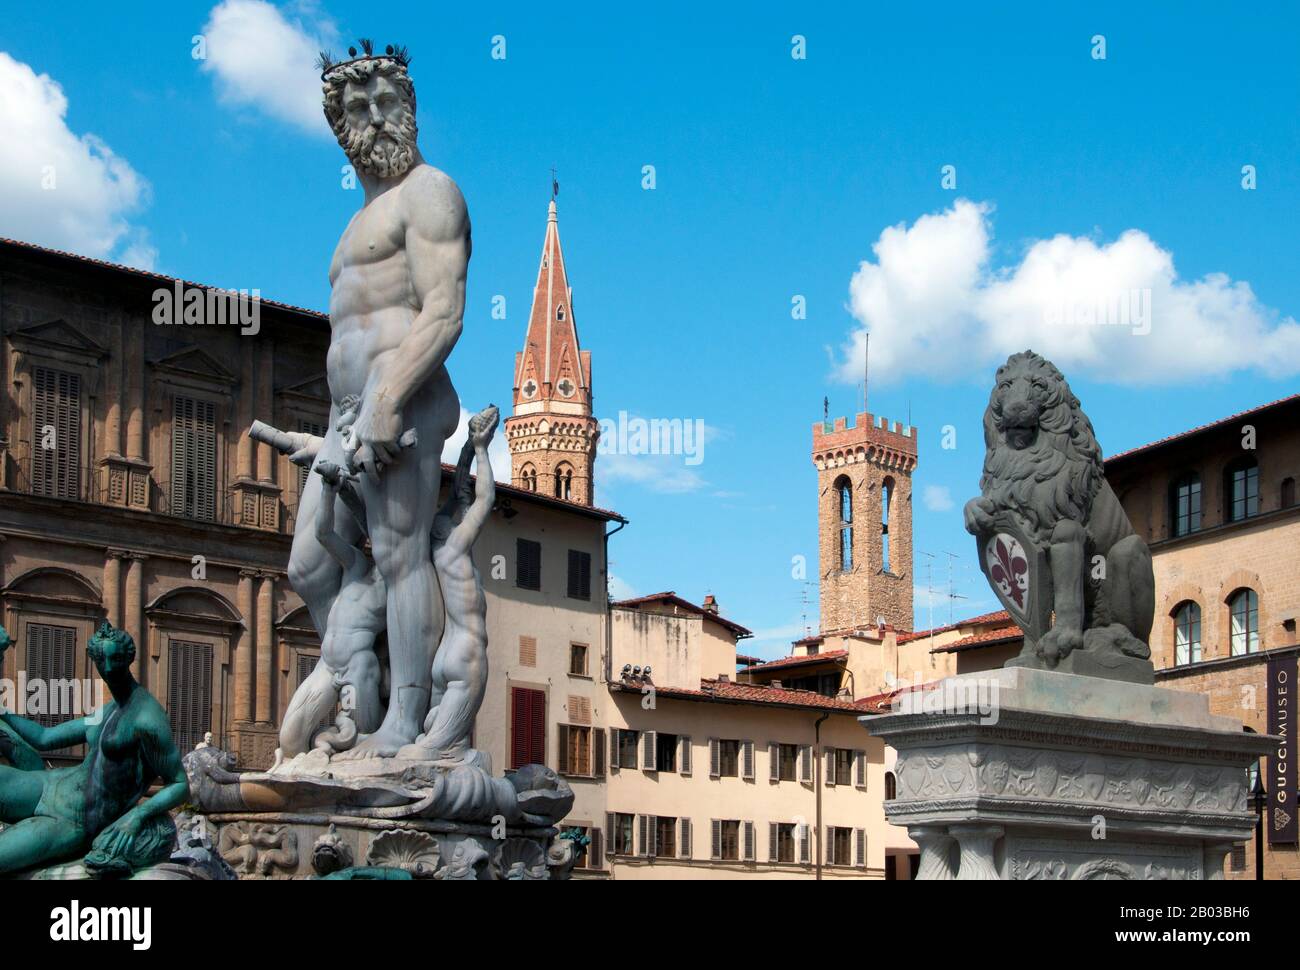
985	638
1230	419
726	692
794	661
1000	616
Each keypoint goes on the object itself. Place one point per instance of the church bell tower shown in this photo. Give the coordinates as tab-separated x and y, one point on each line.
551	433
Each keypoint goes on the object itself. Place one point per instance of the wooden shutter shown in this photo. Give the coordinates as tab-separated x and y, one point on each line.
528	564
649	752
830	767
716	849
52	657
597	753
562	749
684	754
527	651
611	833
645	832
684	840
747	760
860	848
802	831
805	763
595	854
829	836
614	763
527	727
749	841
56	403
189	691
194	458
579	575
774	756
773	832
860	769
715	762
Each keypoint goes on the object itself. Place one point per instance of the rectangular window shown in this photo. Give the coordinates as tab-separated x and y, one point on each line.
846	549
728	839
842	766
728	759
194	459
56	433
579	575
622	837
576	746
527	727
787	762
189	691
665	752
1187	505
785	842
665	836
528	564
578	659
841	847
52	659
626	754
1245	493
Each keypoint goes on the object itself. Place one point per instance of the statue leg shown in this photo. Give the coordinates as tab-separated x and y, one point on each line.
448	726
1131	587
20	793
310	703
313	573
38	840
400	510
362	675
1066	556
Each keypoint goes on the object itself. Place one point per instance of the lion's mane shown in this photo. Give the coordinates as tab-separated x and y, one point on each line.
1060	475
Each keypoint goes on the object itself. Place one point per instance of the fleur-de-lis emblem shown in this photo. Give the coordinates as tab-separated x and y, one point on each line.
1009	568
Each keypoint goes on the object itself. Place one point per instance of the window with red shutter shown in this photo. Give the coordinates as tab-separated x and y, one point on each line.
527	727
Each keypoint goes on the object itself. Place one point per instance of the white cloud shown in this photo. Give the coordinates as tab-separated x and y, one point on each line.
62	189
936	306
498	450
937	498
263	58
620	589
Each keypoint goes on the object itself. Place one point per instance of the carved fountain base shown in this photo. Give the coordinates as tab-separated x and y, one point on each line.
1033	774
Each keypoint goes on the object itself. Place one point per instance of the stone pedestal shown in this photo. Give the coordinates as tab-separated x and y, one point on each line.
1033	774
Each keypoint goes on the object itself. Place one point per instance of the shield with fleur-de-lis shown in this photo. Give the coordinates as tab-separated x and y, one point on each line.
1019	572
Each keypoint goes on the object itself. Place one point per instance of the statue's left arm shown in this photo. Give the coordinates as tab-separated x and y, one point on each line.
437	256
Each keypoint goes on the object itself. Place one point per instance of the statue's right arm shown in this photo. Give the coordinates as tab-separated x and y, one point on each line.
44	738
326	535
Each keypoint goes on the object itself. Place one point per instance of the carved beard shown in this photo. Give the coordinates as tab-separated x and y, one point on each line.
383	162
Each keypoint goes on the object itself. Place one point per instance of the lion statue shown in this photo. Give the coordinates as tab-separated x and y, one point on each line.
1043	466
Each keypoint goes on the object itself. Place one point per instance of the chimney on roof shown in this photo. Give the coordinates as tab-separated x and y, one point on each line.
776	684
724	679
710	604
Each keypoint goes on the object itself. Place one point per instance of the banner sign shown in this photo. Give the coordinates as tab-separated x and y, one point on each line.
1281	778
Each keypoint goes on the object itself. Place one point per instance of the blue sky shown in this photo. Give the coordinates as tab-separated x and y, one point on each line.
775	178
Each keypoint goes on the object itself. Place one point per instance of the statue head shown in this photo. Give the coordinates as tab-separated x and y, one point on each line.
369	103
111	651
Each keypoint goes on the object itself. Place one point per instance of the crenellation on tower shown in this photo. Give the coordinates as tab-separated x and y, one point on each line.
864	480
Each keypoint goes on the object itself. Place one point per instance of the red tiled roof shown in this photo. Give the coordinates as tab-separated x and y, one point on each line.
316	315
731	693
668	596
1000	616
744	658
985	638
883	703
1230	419
801	659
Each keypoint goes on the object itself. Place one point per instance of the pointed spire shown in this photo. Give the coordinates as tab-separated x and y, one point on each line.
552	369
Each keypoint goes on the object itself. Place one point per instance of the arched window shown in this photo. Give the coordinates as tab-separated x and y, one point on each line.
1244	608
1241	489
528	478
844	488
1286	498
563	481
1187	634
886	496
1185	504
891	786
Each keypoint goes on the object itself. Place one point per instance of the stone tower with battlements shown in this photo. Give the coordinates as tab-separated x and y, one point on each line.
864	521
551	433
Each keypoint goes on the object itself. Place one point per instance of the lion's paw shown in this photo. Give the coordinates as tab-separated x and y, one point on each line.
1058	643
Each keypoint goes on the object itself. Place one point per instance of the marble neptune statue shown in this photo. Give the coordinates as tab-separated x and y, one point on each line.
397	297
